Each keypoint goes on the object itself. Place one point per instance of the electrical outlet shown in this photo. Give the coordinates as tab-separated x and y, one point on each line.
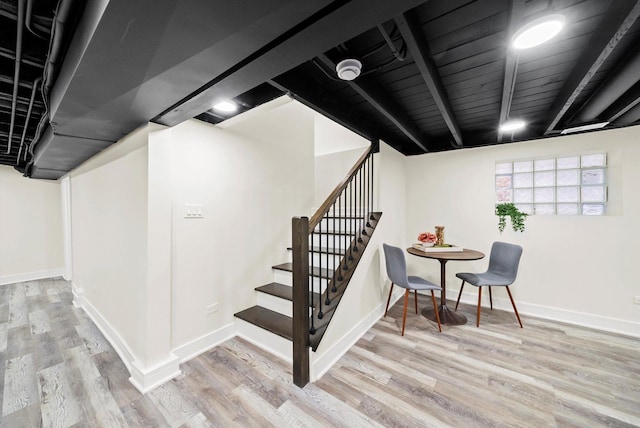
212	308
636	300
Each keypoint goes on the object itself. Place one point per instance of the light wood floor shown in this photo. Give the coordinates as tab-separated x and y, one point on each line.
57	370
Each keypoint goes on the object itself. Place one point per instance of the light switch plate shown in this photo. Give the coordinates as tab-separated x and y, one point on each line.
193	210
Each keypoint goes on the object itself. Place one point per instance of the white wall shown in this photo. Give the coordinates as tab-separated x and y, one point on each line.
576	268
336	150
109	236
331	169
329	137
30	226
252	178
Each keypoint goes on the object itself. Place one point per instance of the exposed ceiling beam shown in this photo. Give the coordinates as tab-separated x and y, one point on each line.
382	104
325	28
327	106
629	117
419	48
616	22
608	96
510	64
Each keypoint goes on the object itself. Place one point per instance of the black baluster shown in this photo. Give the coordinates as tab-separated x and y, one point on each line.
320	313
372	217
362	215
365	220
312	330
368	163
342	199
349	221
354	212
327	302
333	255
343	260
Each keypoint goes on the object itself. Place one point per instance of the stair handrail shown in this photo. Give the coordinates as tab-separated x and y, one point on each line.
303	229
333	196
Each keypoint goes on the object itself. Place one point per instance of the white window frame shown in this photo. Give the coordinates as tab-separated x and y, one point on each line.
563	185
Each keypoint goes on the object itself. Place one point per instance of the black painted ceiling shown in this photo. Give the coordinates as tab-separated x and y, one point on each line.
437	75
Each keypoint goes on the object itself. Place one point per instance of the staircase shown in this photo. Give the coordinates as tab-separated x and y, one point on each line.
329	246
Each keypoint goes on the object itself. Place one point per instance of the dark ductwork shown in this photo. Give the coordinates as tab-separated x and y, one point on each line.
16	73
57	75
34	88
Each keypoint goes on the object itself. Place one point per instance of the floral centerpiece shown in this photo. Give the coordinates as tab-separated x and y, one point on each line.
427	239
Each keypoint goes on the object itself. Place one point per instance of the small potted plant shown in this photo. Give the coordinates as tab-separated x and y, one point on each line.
510	210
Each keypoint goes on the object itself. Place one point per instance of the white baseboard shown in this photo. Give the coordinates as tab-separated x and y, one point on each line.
31	276
144	379
204	343
596	322
147	379
105	328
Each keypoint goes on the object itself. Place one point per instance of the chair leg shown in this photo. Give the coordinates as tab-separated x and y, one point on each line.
388	300
479	300
435	309
490	298
459	294
404	314
514	307
416	299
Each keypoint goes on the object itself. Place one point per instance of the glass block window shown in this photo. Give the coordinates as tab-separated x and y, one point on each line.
571	185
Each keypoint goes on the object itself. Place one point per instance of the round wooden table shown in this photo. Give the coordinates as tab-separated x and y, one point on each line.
447	316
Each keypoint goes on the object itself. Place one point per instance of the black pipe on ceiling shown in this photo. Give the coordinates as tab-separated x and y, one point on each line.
401	53
630	117
44	133
28	18
34	88
16	70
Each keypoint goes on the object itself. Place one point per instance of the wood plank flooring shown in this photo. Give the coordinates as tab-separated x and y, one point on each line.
57	370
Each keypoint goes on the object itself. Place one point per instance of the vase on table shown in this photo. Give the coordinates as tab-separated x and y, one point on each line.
439	235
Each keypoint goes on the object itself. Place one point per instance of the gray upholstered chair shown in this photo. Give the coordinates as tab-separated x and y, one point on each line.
502	272
397	272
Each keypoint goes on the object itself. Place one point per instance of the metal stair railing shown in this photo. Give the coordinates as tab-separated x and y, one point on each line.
342	219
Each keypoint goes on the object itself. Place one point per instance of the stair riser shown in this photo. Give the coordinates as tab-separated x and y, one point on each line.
286	278
331	262
331	241
276	304
271	342
346	225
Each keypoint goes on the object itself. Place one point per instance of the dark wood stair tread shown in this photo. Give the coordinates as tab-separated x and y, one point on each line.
322	273
274	322
283	291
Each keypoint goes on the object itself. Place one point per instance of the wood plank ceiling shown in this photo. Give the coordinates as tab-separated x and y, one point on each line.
437	75
457	78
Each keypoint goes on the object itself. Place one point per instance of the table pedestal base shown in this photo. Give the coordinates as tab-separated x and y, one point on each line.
447	316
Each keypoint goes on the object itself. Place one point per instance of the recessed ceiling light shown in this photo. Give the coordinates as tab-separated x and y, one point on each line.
512	125
538	31
584	128
225	107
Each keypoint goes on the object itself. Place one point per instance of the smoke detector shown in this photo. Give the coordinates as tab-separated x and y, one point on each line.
348	69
